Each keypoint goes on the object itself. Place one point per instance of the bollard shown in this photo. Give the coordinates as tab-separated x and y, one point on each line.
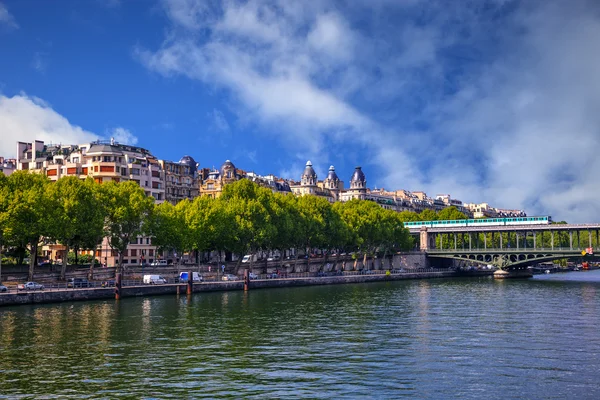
190	283
118	286
177	289
246	280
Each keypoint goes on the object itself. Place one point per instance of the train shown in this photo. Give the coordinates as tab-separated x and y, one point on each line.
543	220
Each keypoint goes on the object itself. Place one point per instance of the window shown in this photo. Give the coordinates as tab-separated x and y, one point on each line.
147	240
133	252
135	171
151	253
75	159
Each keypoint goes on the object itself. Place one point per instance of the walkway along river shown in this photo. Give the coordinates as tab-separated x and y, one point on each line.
52	296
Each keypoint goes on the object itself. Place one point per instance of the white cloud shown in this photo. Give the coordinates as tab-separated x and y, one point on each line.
7	19
488	103
122	135
219	122
27	118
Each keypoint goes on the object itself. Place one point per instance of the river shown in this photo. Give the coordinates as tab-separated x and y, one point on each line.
429	339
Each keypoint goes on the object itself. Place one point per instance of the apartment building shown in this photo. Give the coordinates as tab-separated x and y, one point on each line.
104	161
8	165
181	179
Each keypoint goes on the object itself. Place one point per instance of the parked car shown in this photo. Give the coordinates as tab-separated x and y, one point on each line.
3	288
154	280
77	282
30	286
159	263
196	277
229	277
252	275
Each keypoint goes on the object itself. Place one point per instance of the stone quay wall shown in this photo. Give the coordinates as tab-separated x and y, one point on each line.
56	296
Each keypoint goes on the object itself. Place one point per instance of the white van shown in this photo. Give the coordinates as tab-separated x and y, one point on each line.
154	280
196	277
247	258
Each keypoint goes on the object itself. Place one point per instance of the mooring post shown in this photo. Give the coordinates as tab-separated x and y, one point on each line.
190	283
117	286
246	280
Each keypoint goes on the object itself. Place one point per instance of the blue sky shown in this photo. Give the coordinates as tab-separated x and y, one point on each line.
492	100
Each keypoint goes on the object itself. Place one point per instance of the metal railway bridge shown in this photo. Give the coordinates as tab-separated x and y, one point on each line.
508	246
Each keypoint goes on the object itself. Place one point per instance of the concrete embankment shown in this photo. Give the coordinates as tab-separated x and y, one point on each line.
55	296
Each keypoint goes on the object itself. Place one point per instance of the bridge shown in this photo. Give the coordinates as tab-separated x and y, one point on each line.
508	247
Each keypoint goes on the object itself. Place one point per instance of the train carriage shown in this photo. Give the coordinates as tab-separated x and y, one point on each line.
484	222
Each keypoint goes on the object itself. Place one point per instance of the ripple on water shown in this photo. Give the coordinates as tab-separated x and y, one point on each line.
467	339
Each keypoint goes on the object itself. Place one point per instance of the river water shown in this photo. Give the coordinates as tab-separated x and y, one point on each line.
469	338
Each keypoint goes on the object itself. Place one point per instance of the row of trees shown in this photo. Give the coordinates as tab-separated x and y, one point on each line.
245	219
248	218
72	212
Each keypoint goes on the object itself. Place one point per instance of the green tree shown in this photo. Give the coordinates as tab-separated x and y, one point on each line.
168	228
428	215
127	212
79	215
204	218
29	212
246	203
363	219
409	216
450	213
3	208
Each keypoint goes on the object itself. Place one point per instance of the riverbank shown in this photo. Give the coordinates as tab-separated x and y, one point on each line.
84	294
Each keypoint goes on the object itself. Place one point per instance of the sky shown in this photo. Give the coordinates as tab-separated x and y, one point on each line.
485	100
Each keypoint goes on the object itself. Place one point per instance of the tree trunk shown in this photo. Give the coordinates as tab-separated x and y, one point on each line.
120	267
307	255
32	260
295	261
63	268
365	265
237	265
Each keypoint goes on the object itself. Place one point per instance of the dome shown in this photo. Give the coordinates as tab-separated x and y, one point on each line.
309	172
332	176
358	176
188	160
227	166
